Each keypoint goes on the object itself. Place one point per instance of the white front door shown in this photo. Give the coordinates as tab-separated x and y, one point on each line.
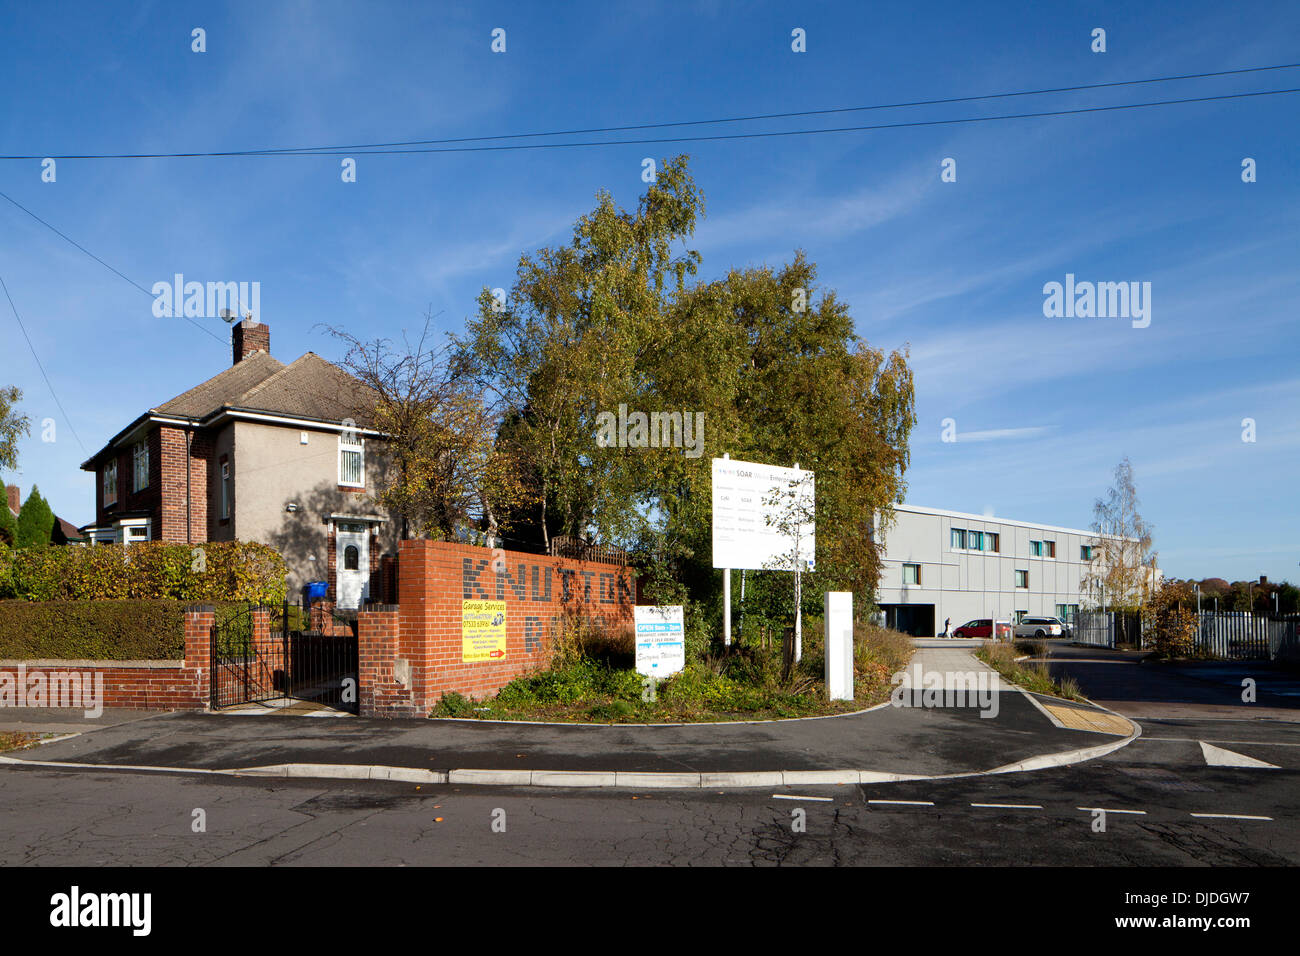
351	564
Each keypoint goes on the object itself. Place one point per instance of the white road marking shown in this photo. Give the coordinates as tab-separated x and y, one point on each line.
1140	813
905	803
793	796
1010	806
1218	757
1262	743
1229	816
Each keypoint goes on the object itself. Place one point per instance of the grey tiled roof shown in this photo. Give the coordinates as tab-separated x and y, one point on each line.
308	387
222	389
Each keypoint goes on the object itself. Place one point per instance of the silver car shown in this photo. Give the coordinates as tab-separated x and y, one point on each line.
1040	627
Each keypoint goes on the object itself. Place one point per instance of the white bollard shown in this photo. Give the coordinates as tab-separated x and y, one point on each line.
838	625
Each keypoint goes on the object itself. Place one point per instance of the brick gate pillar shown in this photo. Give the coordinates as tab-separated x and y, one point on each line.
200	623
385	680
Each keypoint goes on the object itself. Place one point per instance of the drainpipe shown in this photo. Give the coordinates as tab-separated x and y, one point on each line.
189	438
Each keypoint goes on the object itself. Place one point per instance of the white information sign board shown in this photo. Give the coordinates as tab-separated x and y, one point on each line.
660	640
743	535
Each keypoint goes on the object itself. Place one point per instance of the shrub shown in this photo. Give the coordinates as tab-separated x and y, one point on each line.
94	630
35	522
453	704
151	570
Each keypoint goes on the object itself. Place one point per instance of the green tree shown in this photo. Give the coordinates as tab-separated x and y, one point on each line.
785	379
772	368
35	522
12	426
565	345
8	525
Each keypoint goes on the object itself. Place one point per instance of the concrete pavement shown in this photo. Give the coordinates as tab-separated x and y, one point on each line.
883	743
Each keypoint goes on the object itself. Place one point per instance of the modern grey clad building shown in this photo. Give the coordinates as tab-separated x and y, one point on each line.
949	565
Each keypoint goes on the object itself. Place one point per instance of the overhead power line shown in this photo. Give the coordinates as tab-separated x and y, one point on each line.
770	134
116	272
401	146
48	383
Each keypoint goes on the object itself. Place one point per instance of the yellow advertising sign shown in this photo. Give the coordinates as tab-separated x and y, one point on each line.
483	631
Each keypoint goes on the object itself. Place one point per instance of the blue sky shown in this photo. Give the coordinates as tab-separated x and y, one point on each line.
1043	407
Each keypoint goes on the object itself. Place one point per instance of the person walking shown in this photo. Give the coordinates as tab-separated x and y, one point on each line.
947	622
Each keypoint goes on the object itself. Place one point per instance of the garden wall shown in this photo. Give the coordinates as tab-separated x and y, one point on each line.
440	638
91	685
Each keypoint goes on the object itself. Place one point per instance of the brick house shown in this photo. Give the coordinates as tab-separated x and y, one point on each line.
263	451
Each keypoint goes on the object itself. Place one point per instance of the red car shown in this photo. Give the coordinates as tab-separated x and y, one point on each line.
981	627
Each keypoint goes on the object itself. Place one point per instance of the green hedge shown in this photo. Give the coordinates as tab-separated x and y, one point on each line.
96	630
151	570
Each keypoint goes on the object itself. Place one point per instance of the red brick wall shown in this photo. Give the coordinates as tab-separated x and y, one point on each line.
539	591
150	685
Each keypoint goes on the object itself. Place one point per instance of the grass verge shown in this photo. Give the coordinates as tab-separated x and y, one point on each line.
1032	675
745	683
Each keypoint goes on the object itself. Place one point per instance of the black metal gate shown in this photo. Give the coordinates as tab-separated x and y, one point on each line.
264	652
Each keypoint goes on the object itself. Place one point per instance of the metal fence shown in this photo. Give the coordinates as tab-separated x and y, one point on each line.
1240	635
1230	635
1094	628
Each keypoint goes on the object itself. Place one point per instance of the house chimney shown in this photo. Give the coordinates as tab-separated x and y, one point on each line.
13	497
247	337
1263	580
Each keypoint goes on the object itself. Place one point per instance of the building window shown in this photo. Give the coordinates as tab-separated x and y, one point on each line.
994	541
139	466
351	558
1020	616
1022	579
110	483
225	491
1049	548
1066	612
912	574
958	539
1085	552
1036	549
975	540
134	531
351	460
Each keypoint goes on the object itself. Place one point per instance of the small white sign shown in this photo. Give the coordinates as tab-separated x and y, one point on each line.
660	640
746	497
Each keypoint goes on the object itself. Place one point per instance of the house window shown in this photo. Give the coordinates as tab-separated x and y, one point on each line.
1085	552
225	491
351	558
911	574
975	540
1022	579
135	531
351	460
110	483
139	466
1050	548
958	539
1036	548
994	541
